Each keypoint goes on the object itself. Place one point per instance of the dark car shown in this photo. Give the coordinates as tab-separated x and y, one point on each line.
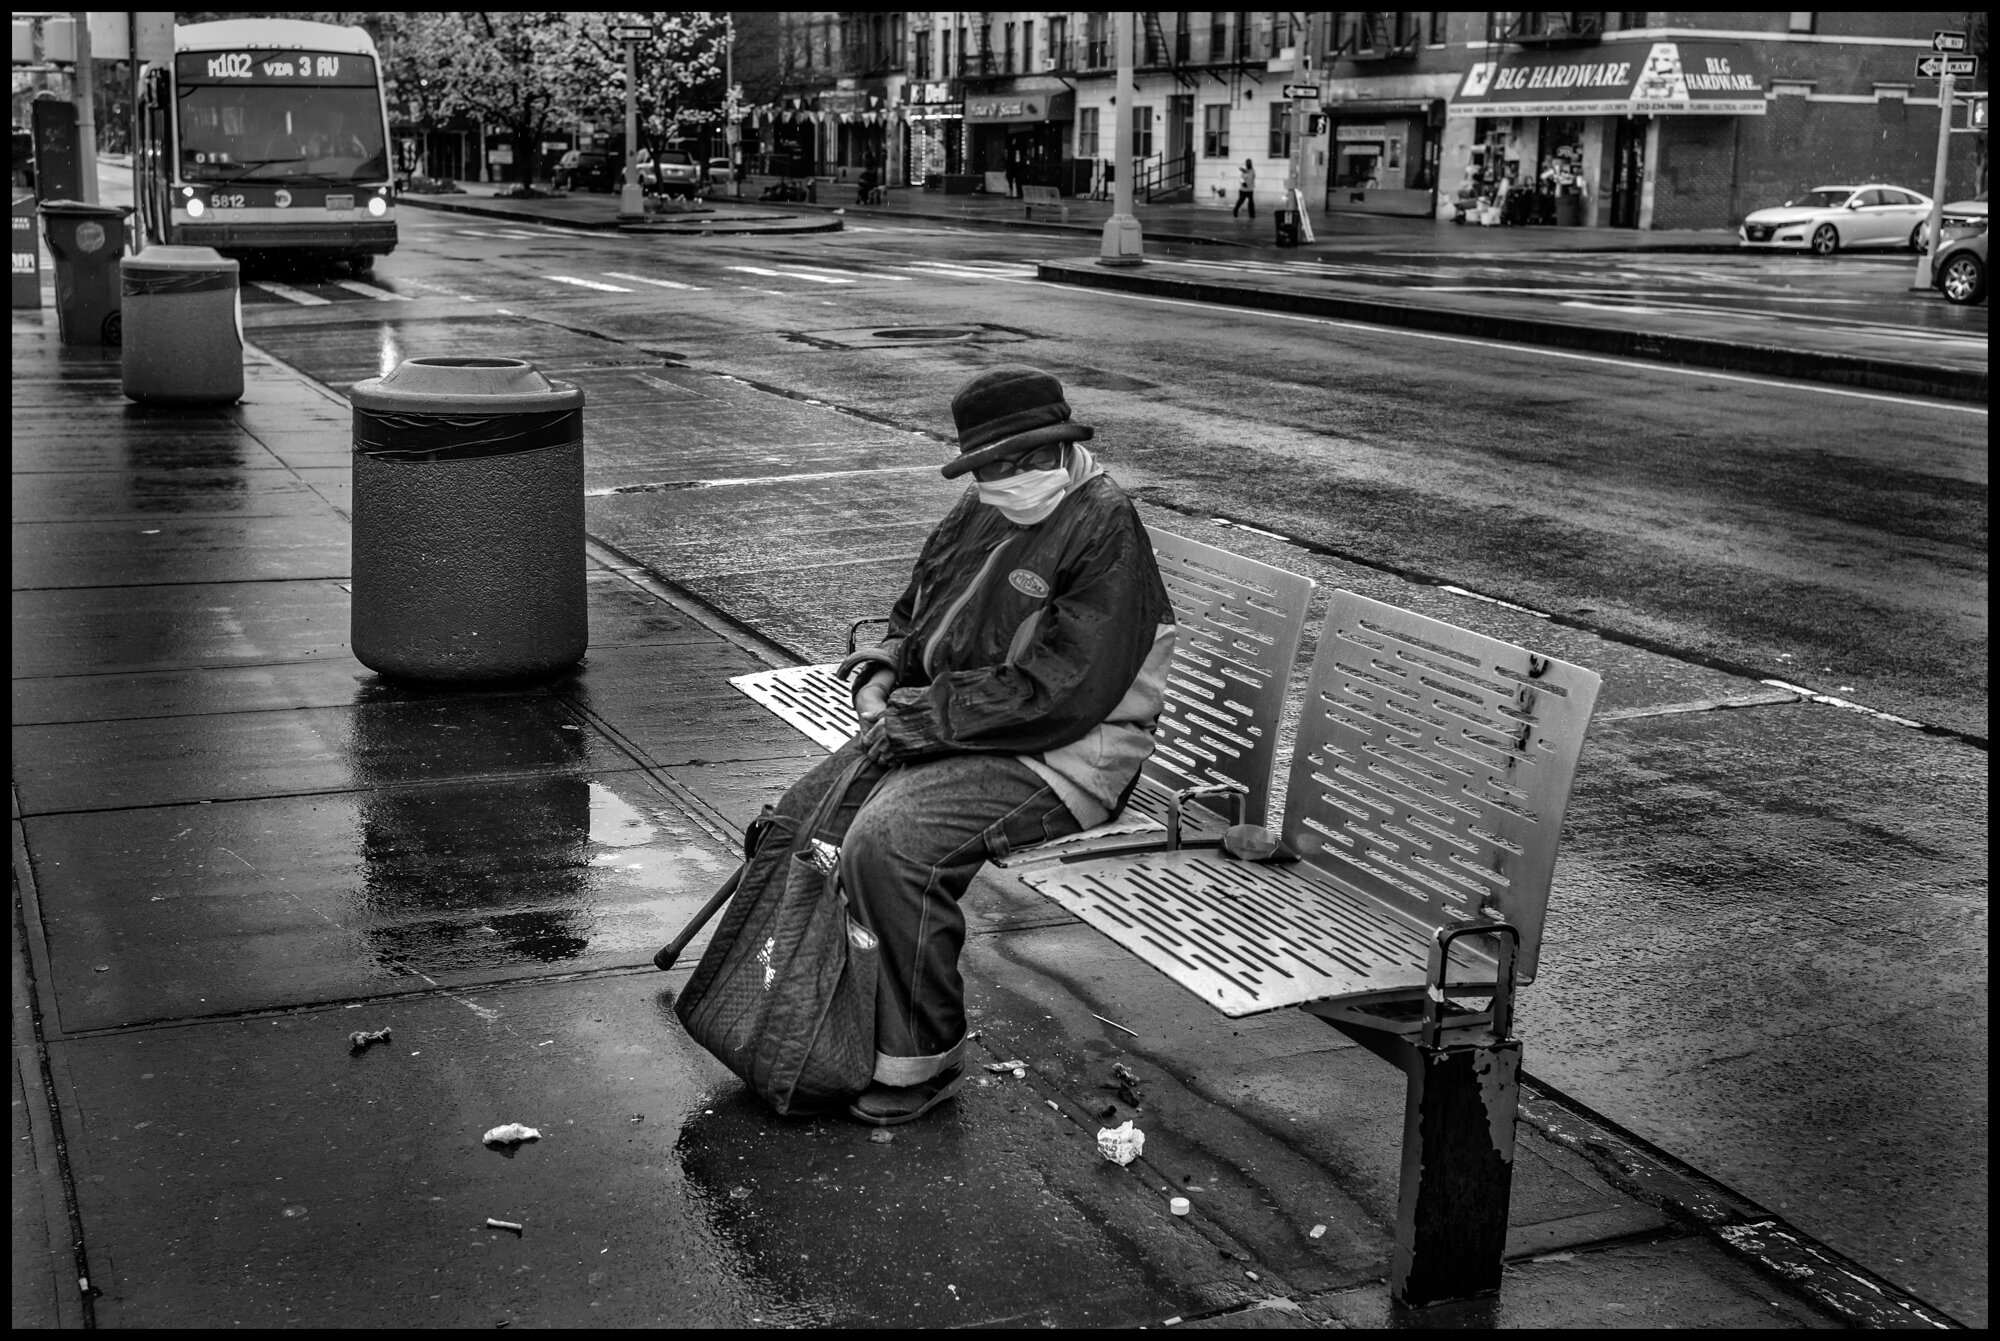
589	170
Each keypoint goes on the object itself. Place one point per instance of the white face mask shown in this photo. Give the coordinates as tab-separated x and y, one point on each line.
1027	497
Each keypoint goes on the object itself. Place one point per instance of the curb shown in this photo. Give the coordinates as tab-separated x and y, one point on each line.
1770	360
1017	225
1738	1225
485	211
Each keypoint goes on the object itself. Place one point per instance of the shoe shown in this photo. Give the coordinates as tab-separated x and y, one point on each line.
891	1105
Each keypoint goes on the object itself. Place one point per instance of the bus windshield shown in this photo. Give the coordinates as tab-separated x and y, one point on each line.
277	133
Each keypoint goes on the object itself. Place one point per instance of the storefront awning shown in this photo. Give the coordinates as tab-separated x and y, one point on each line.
1680	78
1019	108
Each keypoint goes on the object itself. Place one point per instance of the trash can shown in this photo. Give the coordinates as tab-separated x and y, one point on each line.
183	326
1288	228
86	241
468	558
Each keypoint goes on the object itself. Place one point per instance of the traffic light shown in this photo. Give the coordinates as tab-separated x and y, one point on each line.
1315	124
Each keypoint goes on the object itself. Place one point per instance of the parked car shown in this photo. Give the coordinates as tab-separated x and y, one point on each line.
674	172
1959	269
1962	218
1828	218
717	171
589	170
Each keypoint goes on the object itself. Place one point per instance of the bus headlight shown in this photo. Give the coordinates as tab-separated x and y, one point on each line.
194	207
377	206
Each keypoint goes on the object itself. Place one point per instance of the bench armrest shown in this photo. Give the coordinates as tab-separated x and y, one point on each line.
1235	791
855	628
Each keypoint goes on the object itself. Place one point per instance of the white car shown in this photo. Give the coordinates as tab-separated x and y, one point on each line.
1828	218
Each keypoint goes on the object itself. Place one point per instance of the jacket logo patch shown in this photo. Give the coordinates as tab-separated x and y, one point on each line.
1027	583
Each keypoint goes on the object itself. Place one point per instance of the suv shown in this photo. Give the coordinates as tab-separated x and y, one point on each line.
589	170
674	172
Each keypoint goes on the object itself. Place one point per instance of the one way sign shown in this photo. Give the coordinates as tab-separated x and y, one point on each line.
1958	67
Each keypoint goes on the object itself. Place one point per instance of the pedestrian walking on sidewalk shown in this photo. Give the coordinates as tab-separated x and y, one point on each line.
1246	190
1012	701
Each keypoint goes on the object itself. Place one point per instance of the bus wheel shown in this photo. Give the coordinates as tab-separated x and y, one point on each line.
361	263
114	329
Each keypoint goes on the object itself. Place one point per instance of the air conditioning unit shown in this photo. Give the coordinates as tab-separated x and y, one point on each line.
1050	63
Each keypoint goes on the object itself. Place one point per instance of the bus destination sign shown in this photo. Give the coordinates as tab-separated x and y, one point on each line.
318	68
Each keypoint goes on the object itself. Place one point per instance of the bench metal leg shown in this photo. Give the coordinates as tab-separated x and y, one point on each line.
1458	1123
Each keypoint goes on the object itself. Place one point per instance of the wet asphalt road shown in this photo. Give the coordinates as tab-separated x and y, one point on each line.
1767	946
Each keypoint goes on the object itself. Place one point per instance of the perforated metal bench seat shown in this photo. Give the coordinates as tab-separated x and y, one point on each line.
1239	621
1429	777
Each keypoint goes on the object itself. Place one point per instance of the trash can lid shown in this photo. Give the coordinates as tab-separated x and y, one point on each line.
79	209
180	258
474	385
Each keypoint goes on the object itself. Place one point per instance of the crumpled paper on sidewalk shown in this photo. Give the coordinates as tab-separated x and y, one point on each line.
1121	1145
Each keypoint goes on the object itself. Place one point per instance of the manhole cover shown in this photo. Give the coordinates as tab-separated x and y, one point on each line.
927	333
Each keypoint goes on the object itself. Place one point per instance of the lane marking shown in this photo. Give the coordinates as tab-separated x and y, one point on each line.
1635	365
586	284
370	291
286	291
436	288
852	274
643	279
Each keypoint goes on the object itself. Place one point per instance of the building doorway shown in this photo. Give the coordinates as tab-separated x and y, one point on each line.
1628	171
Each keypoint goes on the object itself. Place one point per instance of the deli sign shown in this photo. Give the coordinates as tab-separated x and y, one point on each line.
1681	78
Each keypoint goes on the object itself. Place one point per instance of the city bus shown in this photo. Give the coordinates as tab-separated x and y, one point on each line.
267	137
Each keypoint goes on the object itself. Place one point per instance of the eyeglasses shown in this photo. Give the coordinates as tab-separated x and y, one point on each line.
1046	457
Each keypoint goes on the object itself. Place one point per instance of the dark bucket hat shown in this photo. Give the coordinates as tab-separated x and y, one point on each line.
1008	410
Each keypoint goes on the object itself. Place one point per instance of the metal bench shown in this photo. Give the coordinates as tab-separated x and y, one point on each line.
1429	777
1048	198
1239	626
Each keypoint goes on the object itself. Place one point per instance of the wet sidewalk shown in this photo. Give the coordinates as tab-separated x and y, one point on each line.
234	847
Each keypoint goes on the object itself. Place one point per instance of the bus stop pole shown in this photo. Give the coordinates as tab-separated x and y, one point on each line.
132	132
631	198
1123	243
84	91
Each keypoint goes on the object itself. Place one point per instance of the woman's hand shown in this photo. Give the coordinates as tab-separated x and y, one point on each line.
871	696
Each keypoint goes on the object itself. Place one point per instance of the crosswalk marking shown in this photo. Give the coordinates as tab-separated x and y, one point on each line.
854	274
789	274
370	291
286	291
643	279
588	284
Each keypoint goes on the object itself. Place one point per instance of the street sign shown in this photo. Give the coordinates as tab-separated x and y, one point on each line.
1944	41
1958	67
640	32
1300	91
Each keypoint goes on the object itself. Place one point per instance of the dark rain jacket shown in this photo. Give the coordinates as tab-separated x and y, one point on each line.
1047	642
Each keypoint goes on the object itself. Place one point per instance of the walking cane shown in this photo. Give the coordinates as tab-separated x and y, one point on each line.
671	951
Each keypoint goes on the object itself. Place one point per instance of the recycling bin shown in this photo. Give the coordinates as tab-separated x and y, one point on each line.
468	561
183	326
1288	227
86	241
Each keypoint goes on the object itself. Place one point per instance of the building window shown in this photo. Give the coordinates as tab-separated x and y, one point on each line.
1804	23
986	48
1437	27
1215	130
1218	35
1142	132
1059	42
1280	145
944	53
1010	48
1028	46
1281	30
1086	132
923	44
1183	38
1097	42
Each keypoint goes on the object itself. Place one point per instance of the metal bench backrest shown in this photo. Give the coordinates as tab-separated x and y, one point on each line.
1240	622
1432	767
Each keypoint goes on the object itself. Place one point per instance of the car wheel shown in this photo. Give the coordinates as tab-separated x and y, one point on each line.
1825	240
1917	238
1963	279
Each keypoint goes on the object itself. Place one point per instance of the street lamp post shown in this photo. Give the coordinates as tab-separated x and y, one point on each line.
631	197
731	132
1124	243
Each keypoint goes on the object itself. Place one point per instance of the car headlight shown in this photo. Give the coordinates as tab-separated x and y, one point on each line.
195	207
377	206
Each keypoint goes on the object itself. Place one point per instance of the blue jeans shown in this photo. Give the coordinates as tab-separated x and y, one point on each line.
912	846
